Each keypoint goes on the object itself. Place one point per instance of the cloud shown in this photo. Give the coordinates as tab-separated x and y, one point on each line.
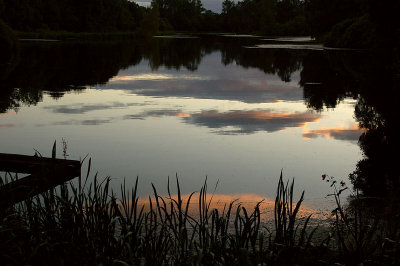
243	122
7	126
244	90
158	76
340	133
82	108
158	113
95	122
88	122
248	122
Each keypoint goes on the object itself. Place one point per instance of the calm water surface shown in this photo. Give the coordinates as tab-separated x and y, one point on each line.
229	109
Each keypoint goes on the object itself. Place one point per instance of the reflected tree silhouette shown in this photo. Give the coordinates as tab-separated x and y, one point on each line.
281	62
328	78
59	67
377	174
370	78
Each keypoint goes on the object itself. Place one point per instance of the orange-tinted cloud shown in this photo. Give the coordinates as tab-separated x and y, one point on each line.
8	113
247	122
243	122
341	133
182	114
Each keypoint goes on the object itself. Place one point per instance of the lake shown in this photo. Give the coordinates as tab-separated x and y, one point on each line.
234	110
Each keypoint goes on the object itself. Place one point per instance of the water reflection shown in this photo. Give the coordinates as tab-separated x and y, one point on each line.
60	67
258	90
327	79
82	108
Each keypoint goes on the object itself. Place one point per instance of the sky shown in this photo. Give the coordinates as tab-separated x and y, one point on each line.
213	5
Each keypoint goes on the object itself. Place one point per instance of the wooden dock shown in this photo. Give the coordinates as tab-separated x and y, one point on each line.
44	173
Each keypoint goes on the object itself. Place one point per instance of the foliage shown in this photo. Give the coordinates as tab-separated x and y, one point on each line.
72	15
322	15
250	16
360	234
352	33
151	21
7	42
181	14
270	17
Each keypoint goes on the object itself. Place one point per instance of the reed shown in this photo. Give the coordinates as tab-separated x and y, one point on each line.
85	223
361	236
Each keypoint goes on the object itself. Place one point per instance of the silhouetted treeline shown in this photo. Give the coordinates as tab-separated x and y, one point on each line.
353	23
270	17
180	14
276	17
344	23
7	42
71	15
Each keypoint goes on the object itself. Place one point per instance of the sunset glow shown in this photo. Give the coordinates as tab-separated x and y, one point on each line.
221	202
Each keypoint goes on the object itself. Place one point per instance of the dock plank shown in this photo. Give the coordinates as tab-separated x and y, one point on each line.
16	163
45	173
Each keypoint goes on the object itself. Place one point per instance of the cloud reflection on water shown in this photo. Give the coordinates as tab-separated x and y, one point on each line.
210	81
248	122
244	122
86	122
7	126
248	91
84	108
340	133
152	76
